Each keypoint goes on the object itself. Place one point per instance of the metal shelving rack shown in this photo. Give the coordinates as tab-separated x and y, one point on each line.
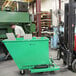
46	19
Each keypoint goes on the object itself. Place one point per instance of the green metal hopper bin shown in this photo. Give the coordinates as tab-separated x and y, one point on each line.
31	54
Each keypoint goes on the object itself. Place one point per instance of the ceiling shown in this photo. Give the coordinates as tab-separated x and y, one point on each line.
2	1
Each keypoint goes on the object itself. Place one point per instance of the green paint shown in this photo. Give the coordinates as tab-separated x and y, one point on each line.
14	17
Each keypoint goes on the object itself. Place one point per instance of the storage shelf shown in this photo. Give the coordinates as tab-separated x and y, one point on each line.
46	20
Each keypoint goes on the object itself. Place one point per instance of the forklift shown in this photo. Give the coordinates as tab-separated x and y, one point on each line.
67	40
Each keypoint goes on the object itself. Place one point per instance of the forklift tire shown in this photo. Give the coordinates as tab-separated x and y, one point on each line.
74	65
64	63
58	55
22	72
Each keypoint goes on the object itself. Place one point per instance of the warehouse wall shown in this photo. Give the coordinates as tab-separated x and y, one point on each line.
46	5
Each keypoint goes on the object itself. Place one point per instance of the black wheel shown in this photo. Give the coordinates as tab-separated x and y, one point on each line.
22	72
74	65
64	63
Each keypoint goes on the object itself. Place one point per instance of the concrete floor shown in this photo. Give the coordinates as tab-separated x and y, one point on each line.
9	68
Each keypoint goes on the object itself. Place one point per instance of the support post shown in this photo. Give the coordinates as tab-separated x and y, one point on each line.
38	16
59	9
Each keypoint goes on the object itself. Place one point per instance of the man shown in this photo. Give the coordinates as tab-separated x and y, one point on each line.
18	31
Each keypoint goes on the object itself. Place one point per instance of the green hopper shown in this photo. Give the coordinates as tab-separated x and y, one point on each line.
31	54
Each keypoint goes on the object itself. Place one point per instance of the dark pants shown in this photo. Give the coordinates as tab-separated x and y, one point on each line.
3	49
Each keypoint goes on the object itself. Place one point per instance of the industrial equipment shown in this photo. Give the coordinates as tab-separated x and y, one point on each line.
31	54
18	16
67	45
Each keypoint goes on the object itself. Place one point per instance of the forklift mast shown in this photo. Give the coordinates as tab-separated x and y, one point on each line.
70	22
